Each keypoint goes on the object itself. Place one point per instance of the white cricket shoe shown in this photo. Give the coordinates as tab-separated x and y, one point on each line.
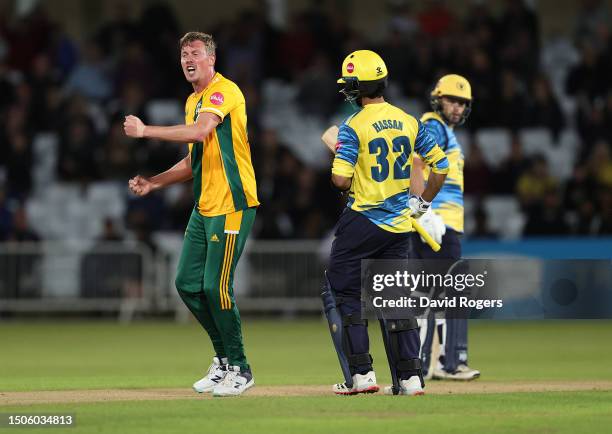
235	383
215	375
463	373
410	387
361	384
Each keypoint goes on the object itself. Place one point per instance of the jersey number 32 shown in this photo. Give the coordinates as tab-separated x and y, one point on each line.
380	148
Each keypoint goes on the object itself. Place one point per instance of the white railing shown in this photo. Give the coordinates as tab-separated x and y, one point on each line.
128	278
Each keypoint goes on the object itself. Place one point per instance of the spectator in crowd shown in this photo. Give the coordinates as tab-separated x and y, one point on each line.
511	105
592	16
535	184
478	175
543	110
118	153
585	82
17	151
119	31
317	95
418	76
159	29
7	89
109	231
585	220
21	230
180	207
244	54
579	186
605	204
600	164
511	168
133	71
19	164
435	19
296	47
484	87
402	21
6	216
545	217
481	229
92	76
41	78
79	153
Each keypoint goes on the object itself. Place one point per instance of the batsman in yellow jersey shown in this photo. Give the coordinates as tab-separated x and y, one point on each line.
219	163
373	160
451	102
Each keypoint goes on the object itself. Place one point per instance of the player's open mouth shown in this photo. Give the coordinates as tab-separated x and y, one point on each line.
191	69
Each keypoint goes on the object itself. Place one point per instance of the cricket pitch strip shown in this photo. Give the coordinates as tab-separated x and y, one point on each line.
432	388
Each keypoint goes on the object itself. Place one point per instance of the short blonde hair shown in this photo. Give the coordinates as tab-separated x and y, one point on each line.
207	39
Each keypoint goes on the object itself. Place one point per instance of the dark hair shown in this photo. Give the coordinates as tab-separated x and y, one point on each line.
372	89
207	39
353	89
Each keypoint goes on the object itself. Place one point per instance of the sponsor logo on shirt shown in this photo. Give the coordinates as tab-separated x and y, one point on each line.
217	98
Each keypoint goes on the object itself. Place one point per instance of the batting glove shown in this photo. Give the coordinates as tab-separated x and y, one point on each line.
418	206
433	225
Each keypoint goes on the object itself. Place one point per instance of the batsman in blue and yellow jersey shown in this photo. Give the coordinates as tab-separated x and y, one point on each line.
451	101
373	161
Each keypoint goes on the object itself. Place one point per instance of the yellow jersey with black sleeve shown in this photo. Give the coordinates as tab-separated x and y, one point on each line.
448	204
223	175
375	148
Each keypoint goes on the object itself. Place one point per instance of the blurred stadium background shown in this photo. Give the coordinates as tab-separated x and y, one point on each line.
538	171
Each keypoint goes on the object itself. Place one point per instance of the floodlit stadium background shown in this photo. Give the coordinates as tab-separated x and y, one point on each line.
538	171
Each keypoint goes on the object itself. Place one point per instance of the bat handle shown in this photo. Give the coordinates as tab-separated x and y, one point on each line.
422	232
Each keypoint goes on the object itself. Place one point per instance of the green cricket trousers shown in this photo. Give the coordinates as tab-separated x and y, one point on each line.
205	278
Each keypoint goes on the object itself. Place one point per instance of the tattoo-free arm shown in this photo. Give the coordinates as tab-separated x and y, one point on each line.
196	132
434	184
180	172
417	180
341	182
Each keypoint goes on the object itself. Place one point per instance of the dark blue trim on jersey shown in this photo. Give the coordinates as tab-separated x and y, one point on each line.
442	164
349	144
384	212
424	142
435	128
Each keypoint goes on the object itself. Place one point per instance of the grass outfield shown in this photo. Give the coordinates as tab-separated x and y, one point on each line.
92	355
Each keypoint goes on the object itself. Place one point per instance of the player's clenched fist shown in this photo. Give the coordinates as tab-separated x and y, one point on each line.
133	126
140	186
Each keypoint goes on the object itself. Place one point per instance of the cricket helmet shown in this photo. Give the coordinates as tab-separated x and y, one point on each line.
364	73
455	86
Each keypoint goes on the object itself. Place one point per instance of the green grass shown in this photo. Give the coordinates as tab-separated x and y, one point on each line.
86	355
499	413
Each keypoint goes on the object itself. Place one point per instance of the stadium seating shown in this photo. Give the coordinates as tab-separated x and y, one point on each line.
494	144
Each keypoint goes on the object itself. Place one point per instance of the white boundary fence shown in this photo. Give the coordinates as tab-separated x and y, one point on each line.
75	277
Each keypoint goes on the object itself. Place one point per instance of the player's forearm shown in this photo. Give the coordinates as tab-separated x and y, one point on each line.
180	172
434	184
177	133
340	182
417	180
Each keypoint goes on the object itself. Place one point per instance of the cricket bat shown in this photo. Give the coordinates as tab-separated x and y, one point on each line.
330	138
